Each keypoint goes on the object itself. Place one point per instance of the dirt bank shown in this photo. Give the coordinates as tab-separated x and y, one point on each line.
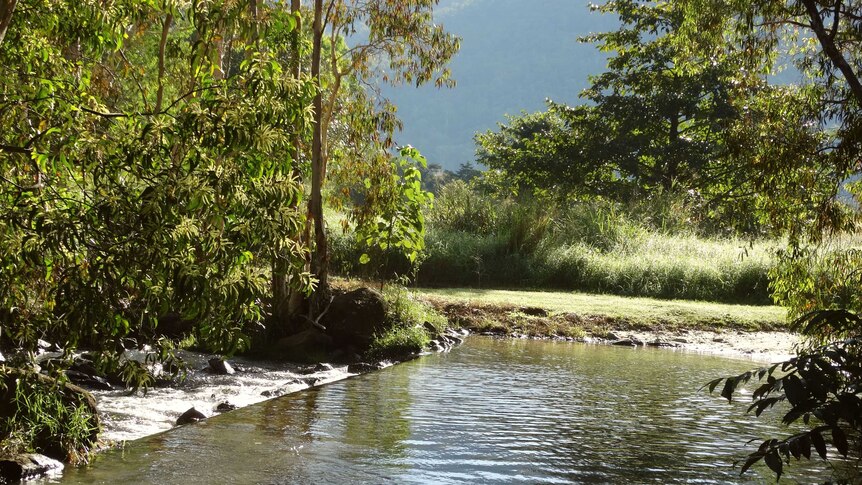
535	322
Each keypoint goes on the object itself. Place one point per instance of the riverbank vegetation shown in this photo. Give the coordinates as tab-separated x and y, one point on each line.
165	166
482	239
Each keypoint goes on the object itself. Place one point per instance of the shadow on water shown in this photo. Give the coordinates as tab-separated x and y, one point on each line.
492	411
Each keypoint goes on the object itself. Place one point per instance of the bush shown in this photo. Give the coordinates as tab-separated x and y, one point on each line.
42	415
406	331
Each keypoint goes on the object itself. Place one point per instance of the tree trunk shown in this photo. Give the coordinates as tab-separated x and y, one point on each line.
6	9
166	28
671	165
287	302
320	254
296	298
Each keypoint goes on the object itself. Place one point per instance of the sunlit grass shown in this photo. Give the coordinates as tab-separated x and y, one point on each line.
637	310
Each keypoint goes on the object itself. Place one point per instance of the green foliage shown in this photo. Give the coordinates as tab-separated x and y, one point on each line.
460	208
123	204
824	277
821	387
44	417
406	319
399	221
647	128
480	240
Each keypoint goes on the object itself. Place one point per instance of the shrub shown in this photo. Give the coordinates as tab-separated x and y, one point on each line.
407	320
40	414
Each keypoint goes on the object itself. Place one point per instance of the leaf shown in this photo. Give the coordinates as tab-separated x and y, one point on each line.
805	446
795	448
750	461
819	444
364	259
773	461
839	440
729	387
794	390
713	384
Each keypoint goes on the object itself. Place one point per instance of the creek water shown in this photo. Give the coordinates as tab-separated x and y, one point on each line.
490	411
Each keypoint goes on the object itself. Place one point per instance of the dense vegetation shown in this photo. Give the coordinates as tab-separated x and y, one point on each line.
163	167
485	240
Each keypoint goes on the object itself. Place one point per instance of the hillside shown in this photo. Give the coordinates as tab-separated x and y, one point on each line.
512	58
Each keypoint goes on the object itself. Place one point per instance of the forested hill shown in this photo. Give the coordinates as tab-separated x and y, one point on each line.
514	54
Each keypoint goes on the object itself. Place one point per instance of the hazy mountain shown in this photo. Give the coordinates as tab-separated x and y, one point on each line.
514	54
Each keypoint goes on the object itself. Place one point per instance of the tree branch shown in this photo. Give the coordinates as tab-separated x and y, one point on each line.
166	27
831	50
6	9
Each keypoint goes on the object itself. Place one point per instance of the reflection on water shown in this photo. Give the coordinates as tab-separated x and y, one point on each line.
491	411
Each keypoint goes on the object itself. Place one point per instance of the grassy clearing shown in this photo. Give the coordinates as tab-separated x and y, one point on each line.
571	314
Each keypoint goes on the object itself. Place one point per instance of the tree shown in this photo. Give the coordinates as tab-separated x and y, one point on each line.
647	127
126	197
398	36
800	180
822	41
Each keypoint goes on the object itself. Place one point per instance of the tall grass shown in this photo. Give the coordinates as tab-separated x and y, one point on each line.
481	241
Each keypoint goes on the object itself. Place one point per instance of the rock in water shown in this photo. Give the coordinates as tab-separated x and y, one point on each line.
362	367
91	381
23	467
307	342
221	366
225	407
190	416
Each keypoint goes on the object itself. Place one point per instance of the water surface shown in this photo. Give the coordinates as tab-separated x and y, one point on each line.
492	411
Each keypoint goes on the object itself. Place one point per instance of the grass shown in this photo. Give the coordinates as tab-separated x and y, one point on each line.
476	240
39	414
575	312
407	322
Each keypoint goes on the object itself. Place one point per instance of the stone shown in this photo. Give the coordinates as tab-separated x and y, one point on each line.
354	317
311	381
224	407
174	326
220	366
612	336
190	416
454	338
323	367
625	342
311	341
89	380
27	466
661	343
362	368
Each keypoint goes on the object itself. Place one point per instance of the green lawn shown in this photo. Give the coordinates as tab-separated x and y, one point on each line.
646	312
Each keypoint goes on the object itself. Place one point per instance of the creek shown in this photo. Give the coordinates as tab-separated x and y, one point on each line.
490	411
